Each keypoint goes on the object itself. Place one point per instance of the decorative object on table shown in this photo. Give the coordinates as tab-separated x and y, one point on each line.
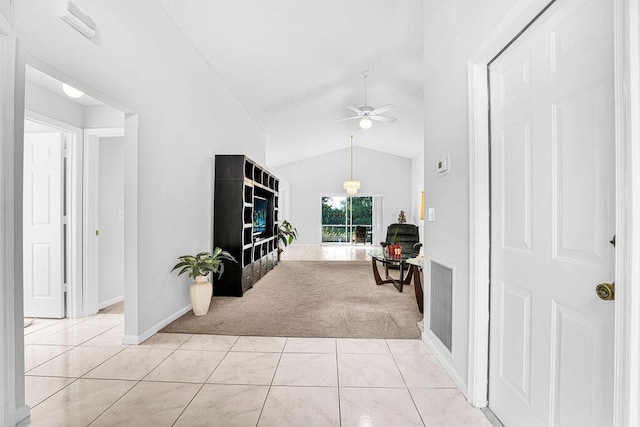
366	113
405	235
394	251
351	186
287	233
391	262
402	218
199	267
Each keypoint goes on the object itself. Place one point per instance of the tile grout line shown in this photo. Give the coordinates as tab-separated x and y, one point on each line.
405	383
206	379
132	387
71	347
272	378
75	378
55	392
338	380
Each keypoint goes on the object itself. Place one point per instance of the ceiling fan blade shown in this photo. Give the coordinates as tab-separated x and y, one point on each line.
383	119
354	109
349	118
384	109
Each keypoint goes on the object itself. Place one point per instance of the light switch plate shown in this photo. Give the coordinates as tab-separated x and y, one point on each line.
443	165
432	214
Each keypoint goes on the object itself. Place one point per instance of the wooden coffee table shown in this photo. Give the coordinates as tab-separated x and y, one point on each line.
401	262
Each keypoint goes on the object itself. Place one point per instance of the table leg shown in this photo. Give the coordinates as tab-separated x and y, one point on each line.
376	273
417	285
398	284
407	280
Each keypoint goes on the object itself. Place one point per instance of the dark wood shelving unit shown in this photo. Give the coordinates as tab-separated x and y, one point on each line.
238	181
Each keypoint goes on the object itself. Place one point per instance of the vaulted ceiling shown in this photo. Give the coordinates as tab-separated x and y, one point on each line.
294	65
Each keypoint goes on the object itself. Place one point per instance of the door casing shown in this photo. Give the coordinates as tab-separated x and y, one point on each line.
627	160
9	381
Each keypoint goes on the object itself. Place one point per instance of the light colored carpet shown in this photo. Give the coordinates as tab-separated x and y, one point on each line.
312	299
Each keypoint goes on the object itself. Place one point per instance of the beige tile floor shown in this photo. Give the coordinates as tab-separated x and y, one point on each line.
327	252
78	374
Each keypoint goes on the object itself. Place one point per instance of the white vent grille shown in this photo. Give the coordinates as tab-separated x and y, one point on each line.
441	294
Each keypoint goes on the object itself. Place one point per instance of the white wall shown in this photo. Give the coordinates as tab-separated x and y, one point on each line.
111	219
102	116
380	174
185	116
417	187
5	9
453	30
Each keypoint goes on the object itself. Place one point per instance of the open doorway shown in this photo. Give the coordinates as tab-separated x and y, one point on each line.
104	225
65	133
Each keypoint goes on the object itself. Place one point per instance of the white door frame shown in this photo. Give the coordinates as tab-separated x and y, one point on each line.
90	195
627	304
9	414
74	209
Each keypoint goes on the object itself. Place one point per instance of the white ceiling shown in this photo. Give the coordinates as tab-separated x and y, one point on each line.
295	65
53	85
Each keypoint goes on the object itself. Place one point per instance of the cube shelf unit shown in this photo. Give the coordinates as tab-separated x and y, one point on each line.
239	182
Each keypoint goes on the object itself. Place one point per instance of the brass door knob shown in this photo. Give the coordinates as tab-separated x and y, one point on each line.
606	291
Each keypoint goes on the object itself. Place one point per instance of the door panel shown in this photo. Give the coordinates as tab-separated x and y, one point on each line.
580	123
515	161
551	220
43	251
515	340
579	349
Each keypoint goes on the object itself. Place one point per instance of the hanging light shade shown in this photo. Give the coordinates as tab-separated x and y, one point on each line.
365	123
351	186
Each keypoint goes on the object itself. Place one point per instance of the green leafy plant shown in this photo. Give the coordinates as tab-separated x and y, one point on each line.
287	233
203	263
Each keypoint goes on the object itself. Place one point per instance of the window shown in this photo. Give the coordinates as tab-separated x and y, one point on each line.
341	215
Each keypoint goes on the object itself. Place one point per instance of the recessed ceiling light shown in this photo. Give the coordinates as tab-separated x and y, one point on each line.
71	91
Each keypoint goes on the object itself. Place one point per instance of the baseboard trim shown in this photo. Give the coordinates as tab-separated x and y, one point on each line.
138	339
445	362
110	302
22	414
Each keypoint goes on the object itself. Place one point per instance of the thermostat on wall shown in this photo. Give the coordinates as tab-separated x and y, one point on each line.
443	165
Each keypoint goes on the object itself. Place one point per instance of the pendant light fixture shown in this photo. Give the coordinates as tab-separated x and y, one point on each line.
351	186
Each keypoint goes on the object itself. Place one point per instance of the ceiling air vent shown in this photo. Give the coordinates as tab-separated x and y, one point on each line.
77	18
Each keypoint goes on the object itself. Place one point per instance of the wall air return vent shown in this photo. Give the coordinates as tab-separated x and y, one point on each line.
441	296
77	18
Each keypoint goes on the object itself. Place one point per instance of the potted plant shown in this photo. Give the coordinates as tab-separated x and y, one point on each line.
287	233
199	267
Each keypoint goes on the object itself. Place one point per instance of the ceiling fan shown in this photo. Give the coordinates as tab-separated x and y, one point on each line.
367	113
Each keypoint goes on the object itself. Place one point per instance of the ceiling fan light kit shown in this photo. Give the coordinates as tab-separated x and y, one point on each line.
367	114
365	123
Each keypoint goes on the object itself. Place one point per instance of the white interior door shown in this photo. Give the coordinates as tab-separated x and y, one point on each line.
552	216
43	215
